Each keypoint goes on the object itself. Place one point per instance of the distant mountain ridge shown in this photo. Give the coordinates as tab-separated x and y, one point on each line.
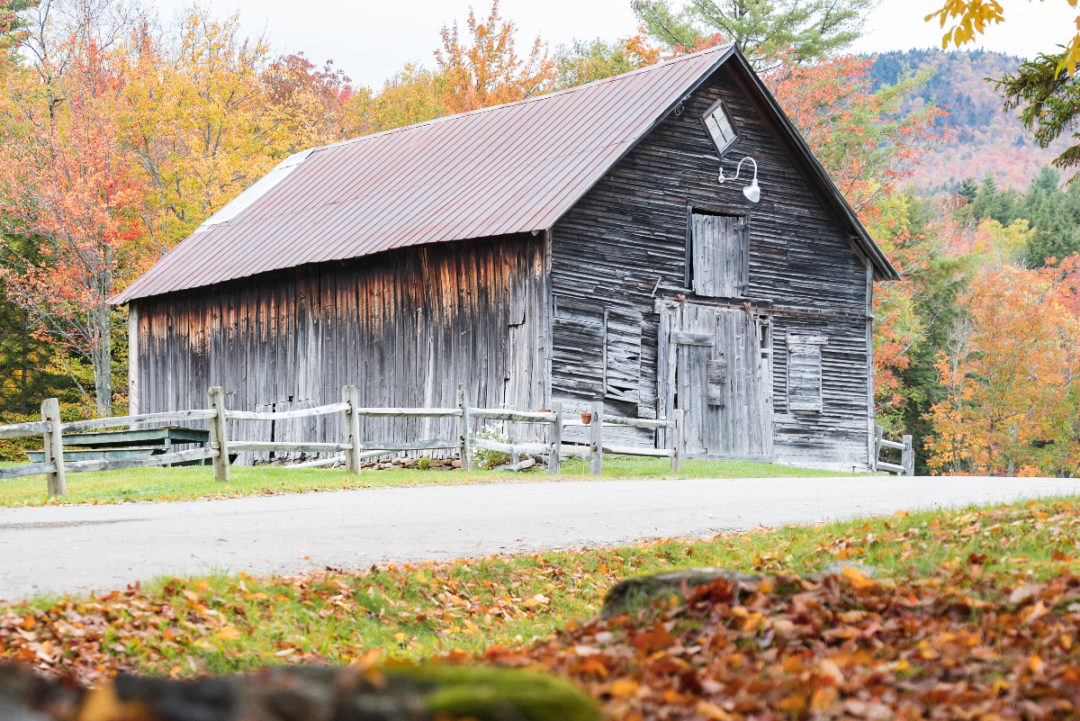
983	138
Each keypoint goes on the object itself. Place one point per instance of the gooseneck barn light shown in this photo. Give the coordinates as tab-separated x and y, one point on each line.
752	191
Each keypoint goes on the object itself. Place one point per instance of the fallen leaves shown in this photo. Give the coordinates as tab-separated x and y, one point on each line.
837	647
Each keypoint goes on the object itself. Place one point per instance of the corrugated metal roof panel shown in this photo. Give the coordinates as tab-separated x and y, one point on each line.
506	169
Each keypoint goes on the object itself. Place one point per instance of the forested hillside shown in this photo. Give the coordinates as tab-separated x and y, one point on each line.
984	139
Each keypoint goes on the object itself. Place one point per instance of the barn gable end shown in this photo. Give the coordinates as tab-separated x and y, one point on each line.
627	248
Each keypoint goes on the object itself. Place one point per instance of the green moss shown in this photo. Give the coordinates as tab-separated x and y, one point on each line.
497	694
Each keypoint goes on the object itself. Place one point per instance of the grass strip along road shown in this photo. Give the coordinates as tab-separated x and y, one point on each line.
192	483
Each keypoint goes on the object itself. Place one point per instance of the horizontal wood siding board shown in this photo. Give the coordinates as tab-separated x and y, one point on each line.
625	244
405	327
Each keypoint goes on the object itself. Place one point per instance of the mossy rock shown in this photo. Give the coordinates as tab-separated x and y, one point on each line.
497	694
634	593
304	693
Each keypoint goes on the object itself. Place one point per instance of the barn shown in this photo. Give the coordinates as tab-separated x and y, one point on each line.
589	244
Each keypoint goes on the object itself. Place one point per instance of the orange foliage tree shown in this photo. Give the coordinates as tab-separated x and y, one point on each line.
1012	374
485	69
868	147
68	181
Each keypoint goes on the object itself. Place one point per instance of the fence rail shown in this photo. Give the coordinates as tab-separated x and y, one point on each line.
906	467
220	445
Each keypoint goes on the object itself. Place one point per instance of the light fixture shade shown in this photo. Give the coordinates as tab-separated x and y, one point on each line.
752	191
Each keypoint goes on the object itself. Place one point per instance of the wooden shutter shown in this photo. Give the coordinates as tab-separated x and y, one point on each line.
804	372
622	355
718	255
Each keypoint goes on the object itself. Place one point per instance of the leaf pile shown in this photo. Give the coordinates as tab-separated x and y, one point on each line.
843	647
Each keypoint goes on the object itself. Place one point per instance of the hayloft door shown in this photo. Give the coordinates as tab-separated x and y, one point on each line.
717	369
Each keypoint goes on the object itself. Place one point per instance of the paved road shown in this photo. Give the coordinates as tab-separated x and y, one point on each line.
79	548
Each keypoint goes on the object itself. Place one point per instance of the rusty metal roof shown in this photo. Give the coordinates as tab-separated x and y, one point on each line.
505	169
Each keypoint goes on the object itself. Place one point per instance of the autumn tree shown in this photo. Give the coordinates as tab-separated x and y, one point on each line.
584	62
483	68
68	181
869	148
805	30
316	105
200	122
413	95
1012	374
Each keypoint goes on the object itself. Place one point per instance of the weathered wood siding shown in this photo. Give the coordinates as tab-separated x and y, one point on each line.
625	244
406	327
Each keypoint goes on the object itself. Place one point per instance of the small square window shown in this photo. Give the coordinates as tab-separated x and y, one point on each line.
719	126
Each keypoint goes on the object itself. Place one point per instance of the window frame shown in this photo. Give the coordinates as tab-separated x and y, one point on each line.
722	107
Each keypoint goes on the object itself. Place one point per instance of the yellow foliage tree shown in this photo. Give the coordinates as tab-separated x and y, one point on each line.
967	19
1012	375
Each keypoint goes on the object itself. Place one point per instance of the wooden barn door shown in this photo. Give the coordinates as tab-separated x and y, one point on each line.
719	373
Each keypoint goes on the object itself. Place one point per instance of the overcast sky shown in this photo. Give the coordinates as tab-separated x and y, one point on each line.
372	40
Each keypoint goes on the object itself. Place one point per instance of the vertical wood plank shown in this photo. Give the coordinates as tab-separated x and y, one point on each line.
556	438
350	428
596	437
133	360
465	443
54	447
215	396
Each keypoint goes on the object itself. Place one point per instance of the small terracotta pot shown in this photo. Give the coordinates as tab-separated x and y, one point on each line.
586	418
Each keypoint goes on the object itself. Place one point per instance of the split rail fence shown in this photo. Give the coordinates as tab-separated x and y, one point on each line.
355	450
907	454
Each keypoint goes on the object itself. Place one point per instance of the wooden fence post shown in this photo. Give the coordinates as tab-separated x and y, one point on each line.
596	428
676	439
54	446
879	434
512	434
465	444
556	438
350	428
215	396
907	457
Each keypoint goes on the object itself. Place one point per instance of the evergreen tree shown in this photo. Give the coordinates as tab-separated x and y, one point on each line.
1053	219
968	189
810	29
990	202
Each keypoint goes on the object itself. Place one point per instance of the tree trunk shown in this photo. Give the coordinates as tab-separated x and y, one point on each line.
101	359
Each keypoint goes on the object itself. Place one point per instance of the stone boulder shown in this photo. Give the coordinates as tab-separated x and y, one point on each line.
397	693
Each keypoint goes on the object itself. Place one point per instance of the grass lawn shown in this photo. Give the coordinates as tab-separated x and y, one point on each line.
183	627
197	482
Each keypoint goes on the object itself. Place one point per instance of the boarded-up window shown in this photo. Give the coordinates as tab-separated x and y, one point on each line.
622	355
718	255
804	372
